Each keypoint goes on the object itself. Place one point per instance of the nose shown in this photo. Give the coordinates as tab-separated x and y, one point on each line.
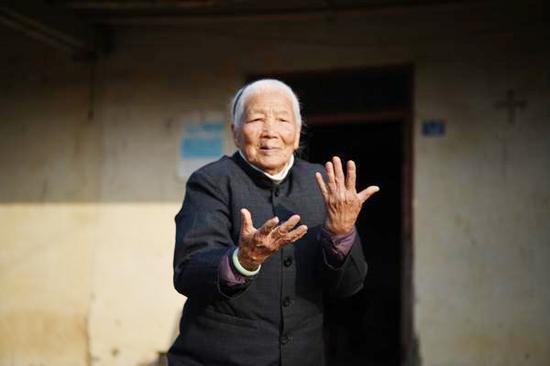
268	128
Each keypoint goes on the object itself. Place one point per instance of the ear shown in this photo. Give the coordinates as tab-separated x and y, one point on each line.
235	133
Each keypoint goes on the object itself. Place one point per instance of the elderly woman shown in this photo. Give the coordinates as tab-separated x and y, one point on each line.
261	236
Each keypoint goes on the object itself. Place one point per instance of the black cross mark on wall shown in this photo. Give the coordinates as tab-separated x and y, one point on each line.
511	103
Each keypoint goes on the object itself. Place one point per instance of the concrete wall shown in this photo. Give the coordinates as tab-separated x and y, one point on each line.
46	231
482	208
87	199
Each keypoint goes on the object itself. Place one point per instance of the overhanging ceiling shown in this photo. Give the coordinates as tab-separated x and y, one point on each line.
174	11
79	25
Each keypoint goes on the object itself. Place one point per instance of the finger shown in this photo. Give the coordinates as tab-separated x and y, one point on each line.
321	184
269	225
351	176
295	234
330	177
286	226
338	172
367	192
246	222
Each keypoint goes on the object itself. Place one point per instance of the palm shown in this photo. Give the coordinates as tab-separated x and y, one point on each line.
256	245
342	201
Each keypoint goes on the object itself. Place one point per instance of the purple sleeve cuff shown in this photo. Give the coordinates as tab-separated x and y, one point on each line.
337	247
229	277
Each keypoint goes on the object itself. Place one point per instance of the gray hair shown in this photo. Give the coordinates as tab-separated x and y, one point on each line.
241	97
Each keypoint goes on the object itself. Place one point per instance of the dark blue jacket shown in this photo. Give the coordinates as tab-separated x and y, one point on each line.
278	318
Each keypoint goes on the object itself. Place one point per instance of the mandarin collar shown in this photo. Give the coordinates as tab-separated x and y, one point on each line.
256	174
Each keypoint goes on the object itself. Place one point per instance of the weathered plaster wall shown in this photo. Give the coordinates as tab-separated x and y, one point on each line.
76	242
87	201
48	169
482	206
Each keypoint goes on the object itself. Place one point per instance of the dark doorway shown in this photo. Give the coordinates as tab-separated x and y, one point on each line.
364	115
365	329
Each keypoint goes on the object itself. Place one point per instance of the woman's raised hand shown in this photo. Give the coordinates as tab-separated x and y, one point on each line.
342	201
256	245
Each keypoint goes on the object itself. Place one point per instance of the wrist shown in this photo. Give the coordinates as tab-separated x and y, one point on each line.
247	263
337	231
243	267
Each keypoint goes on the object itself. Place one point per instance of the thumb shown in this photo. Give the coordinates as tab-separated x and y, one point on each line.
246	222
367	192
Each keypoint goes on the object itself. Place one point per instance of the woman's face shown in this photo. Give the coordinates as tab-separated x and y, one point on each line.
268	134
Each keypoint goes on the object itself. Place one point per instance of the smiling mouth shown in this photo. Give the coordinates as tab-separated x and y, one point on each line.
269	150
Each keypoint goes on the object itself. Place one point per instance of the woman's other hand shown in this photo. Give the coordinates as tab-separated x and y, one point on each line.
342	201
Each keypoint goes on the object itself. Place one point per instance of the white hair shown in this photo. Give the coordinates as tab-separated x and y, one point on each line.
241	97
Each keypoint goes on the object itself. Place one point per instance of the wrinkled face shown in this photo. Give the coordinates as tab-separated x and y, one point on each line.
268	134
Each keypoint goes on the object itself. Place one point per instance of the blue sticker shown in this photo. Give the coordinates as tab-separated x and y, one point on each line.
433	128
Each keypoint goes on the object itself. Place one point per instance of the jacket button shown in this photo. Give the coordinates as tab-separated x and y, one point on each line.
288	261
286	302
276	192
285	339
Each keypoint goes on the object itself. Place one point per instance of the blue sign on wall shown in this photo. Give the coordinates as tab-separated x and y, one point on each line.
433	128
202	141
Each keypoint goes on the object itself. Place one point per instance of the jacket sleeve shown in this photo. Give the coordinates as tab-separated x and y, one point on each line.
347	279
203	228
